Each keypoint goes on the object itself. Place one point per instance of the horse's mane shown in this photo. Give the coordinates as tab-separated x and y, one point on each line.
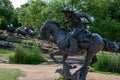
62	28
54	22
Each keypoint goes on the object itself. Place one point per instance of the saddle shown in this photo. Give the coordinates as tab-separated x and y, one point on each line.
84	36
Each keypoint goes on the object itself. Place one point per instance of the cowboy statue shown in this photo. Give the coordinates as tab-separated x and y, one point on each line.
76	19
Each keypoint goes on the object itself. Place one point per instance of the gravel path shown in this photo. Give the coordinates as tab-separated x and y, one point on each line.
47	72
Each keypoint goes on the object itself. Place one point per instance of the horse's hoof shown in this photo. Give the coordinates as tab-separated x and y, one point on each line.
72	67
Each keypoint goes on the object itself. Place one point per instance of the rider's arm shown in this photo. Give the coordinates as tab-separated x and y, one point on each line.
82	15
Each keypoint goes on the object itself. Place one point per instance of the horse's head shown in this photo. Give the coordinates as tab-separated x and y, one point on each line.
47	29
43	31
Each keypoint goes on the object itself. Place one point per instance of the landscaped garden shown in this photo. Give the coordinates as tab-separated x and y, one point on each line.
19	29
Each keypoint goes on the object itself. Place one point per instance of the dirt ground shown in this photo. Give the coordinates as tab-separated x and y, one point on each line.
47	72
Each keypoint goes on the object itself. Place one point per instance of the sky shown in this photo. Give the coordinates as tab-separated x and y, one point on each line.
17	3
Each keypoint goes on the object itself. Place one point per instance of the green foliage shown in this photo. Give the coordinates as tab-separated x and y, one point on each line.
29	42
10	74
6	13
15	40
60	78
114	9
108	29
105	12
25	55
2	37
4	52
108	63
38	11
102	72
20	41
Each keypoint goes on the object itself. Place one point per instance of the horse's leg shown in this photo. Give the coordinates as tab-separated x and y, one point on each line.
82	72
66	68
94	60
65	56
52	54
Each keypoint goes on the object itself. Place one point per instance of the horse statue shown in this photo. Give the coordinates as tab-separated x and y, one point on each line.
110	46
11	28
31	33
21	31
26	31
118	46
91	48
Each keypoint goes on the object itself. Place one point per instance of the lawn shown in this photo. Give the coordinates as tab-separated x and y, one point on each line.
108	62
10	74
4	52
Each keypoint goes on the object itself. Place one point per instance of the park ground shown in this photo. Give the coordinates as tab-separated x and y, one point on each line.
47	72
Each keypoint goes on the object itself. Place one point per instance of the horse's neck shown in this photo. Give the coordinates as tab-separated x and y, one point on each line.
58	34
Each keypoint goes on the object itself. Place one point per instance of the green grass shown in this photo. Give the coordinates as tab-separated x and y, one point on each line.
14	40
25	55
10	74
4	52
60	78
102	72
108	63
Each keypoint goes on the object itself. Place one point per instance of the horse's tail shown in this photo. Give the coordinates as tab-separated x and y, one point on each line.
105	44
110	46
118	46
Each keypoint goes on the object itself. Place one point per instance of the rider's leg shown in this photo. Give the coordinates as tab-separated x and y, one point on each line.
73	46
73	42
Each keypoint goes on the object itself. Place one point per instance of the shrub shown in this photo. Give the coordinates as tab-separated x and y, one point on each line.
25	55
2	37
108	63
28	42
15	40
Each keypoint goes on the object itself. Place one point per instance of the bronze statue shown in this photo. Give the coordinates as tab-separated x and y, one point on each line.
26	31
118	46
62	38
75	19
78	40
11	28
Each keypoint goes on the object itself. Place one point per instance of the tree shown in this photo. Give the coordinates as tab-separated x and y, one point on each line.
6	13
35	12
114	9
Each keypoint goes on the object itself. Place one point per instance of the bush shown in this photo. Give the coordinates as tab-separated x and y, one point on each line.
25	55
15	40
28	42
108	63
2	37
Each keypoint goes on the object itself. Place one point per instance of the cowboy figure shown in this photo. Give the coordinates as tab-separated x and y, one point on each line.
75	19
